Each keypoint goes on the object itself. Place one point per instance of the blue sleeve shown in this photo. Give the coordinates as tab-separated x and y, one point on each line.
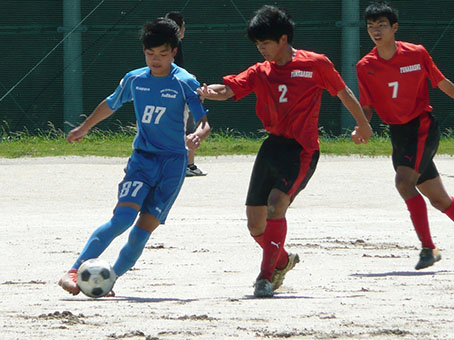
121	95
196	107
192	97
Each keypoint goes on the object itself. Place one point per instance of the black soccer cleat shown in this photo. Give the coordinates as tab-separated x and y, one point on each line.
427	258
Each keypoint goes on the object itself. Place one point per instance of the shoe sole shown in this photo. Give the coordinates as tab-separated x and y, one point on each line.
263	295
196	175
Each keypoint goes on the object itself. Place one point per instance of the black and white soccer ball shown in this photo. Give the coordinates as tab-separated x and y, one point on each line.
96	278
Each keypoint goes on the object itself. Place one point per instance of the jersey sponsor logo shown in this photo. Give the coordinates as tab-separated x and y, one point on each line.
140	88
169	93
301	74
410	68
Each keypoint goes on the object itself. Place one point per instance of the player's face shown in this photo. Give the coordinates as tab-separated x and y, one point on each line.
381	32
159	59
270	49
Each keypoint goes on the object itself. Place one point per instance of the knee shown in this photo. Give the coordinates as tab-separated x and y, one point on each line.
405	185
123	217
277	206
440	203
255	227
271	210
256	223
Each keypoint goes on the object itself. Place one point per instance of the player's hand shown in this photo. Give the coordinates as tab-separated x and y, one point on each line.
205	92
76	134
361	135
192	141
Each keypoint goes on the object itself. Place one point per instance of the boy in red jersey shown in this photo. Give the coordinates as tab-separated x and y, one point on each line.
393	80
288	86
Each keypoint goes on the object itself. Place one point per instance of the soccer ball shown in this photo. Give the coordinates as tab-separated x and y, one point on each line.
96	278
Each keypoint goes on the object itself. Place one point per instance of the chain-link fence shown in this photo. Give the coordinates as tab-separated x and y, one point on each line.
45	78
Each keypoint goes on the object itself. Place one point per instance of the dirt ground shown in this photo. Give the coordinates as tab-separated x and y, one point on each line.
194	279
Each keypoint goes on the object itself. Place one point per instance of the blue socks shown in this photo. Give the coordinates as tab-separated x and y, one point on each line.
132	250
122	219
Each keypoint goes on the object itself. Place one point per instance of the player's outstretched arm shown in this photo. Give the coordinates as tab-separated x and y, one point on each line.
215	92
101	112
447	87
362	131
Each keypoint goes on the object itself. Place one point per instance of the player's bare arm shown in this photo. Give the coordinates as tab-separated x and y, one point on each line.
363	130
447	87
215	92
101	112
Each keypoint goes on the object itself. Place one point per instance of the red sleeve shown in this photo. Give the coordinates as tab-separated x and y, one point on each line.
433	73
241	84
330	78
364	95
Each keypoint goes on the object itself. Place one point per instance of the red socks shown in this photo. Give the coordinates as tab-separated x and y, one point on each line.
272	241
450	211
283	257
418	213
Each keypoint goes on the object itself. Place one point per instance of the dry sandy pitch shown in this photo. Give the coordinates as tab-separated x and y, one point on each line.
194	280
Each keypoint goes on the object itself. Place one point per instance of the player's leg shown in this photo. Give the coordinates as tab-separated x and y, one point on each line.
431	185
170	173
275	233
406	179
138	237
414	146
202	130
280	171
99	240
131	192
295	167
435	191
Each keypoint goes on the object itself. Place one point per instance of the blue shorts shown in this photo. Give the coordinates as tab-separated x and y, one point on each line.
153	181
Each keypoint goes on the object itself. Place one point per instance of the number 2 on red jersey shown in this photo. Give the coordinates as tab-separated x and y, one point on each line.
283	90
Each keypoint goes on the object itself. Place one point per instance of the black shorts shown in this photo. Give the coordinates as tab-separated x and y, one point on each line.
415	145
283	164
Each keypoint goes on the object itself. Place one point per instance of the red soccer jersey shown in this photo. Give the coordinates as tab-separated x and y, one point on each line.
288	96
397	88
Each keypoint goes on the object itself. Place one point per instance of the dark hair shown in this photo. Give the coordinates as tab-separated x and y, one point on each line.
160	32
379	9
177	17
270	23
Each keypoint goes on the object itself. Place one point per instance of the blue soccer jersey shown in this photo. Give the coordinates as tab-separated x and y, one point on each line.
161	105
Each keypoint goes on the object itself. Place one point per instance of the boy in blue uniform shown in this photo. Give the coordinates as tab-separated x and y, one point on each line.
162	93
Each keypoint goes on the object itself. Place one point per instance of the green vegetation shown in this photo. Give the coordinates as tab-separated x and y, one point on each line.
118	144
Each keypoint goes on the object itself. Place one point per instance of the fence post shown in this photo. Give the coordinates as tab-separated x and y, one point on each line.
350	54
73	95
